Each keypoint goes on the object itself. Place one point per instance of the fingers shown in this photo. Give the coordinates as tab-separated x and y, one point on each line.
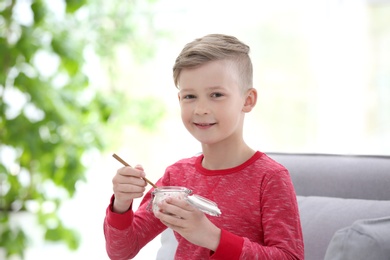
129	175
172	221
179	215
135	191
177	204
128	185
138	171
176	208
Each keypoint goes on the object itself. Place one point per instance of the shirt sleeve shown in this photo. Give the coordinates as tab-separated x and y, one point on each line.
230	246
128	232
118	221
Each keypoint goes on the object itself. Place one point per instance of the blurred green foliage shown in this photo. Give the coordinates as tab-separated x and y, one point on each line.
50	114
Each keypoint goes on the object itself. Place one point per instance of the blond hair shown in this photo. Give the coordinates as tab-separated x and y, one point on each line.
214	47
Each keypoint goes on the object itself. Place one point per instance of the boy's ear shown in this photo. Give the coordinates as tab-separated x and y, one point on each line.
250	100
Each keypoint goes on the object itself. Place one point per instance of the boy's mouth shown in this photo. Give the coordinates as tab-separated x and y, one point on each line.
204	124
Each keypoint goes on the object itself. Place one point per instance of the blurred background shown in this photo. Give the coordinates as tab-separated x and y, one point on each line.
83	79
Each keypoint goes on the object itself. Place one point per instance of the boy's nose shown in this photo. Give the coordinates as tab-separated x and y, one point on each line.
201	108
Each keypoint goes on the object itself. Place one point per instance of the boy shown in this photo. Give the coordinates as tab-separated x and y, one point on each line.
260	218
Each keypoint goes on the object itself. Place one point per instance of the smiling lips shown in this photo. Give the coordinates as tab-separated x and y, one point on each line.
204	125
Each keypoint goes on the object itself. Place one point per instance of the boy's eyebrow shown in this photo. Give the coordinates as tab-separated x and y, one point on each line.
215	87
208	88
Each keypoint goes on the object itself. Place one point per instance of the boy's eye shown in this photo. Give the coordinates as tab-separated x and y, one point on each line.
189	96
215	95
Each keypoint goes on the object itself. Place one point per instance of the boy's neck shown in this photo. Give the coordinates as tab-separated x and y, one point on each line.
222	157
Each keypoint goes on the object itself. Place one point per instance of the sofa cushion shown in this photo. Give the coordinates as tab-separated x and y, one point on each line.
342	176
364	239
321	217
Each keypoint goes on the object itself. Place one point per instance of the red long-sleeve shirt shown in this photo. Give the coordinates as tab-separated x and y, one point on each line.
260	218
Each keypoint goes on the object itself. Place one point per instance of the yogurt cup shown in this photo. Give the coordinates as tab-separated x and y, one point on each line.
161	193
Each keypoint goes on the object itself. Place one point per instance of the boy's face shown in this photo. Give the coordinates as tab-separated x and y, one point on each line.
212	102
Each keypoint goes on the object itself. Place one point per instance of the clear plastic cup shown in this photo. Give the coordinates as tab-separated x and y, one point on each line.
161	193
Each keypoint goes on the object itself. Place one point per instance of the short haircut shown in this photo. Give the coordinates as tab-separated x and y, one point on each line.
215	47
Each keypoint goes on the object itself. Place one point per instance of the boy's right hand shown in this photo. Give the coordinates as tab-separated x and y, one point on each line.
127	185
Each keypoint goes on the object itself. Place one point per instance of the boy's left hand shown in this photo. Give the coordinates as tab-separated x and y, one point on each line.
189	222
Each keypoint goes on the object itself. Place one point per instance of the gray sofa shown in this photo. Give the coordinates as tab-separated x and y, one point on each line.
344	204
